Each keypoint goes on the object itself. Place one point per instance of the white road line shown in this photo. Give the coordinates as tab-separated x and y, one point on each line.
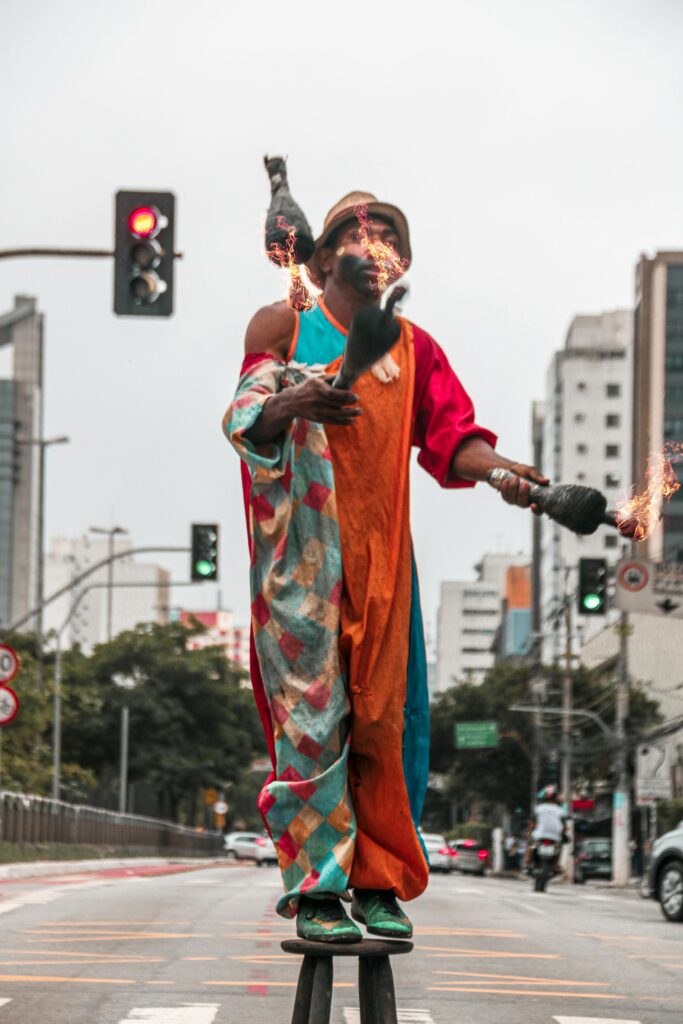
598	899
352	1016
187	1013
593	1020
526	906
4	1002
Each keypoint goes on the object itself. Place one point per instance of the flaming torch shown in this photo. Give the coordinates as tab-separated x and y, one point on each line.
638	515
288	236
390	266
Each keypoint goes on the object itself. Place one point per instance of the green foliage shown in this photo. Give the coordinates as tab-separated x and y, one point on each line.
473	830
669	814
192	724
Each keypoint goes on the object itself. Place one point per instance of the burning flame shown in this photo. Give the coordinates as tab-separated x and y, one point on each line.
298	296
390	266
638	515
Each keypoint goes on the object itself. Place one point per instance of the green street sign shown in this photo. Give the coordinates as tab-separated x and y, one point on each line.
474	735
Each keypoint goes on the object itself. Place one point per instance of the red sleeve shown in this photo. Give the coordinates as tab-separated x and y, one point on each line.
443	414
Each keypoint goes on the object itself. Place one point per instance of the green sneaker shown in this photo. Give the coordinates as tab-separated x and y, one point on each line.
378	910
325	920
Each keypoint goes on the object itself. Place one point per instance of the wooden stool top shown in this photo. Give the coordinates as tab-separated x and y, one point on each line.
364	948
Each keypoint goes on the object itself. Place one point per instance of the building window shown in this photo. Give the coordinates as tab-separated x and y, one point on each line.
612	480
611	540
613	419
580	476
579	417
580	385
611	451
581	449
613	390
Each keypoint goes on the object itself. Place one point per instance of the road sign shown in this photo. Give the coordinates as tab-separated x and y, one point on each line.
9	705
9	664
653	772
220	807
655	588
475	735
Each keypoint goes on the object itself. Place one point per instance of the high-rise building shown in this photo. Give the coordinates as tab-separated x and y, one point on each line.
20	419
469	616
658	386
587	429
141	591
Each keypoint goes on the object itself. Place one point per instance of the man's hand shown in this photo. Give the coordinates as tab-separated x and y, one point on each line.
317	400
516	491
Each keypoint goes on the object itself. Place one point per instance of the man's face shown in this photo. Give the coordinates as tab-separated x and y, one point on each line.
377	244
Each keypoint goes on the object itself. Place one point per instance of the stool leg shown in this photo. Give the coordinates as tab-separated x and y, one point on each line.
304	989
321	998
376	991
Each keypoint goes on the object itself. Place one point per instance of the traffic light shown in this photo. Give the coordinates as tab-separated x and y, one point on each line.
204	551
143	253
592	596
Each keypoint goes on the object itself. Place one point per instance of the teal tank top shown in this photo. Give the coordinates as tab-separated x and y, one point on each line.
317	340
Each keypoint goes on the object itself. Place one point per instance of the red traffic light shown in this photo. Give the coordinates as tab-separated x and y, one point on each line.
144	222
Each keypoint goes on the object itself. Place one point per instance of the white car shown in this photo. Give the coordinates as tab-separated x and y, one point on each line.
249	846
438	851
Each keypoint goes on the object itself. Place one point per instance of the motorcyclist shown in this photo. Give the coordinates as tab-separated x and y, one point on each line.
548	823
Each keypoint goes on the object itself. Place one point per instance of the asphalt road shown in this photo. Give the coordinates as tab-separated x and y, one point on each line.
203	947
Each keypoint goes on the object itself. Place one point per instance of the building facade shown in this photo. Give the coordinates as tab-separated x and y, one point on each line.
141	591
220	632
586	439
658	386
20	420
468	620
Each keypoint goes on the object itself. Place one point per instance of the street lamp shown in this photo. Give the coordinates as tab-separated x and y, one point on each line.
42	443
111	533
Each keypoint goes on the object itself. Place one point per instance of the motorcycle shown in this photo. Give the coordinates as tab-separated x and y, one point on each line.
543	860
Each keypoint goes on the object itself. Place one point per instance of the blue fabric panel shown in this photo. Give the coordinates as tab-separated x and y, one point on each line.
319	341
416	722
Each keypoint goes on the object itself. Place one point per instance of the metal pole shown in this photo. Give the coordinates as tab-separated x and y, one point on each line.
567	698
40	563
621	809
110	582
123	774
57	724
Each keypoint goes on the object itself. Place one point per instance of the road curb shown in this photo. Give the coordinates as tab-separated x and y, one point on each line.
43	869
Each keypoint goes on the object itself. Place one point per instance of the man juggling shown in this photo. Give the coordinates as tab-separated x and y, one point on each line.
338	658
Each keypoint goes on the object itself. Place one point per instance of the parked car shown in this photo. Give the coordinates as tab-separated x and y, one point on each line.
438	851
666	873
469	856
592	859
249	846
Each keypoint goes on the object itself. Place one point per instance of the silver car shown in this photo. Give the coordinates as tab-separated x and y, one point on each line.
249	846
439	854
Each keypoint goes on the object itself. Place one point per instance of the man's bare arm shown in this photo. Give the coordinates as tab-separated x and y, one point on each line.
475	457
271	331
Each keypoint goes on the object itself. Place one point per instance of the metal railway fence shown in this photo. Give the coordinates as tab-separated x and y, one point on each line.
34	828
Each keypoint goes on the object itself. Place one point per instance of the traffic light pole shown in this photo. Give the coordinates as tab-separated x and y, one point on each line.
621	804
567	699
8	254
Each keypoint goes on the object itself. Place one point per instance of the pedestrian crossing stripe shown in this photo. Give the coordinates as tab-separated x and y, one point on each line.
187	1013
593	1020
3	1002
352	1016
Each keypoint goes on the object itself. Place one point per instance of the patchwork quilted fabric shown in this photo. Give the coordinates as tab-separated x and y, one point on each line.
296	588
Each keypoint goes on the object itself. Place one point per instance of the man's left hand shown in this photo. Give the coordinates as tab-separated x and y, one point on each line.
516	491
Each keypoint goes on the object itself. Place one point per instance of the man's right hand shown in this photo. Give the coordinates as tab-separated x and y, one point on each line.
318	401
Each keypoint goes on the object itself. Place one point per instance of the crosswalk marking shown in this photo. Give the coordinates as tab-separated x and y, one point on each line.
4	1002
593	1020
187	1013
352	1016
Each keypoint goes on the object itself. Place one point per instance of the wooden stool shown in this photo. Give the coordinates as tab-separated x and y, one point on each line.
375	980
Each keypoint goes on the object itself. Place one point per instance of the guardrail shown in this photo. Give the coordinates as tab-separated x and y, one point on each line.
35	828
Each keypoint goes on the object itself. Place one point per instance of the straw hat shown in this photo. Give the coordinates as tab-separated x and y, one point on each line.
344	210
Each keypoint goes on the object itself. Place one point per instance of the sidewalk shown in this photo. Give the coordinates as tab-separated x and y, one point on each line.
157	865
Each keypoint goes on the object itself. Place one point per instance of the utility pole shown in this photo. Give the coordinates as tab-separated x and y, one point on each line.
621	805
567	701
123	770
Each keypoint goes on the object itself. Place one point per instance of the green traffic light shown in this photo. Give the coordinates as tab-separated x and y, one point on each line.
592	601
203	567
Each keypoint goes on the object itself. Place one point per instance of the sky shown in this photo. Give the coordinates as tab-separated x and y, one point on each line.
534	147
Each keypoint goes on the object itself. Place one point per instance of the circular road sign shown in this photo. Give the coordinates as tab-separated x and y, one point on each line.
220	807
9	705
633	576
9	664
